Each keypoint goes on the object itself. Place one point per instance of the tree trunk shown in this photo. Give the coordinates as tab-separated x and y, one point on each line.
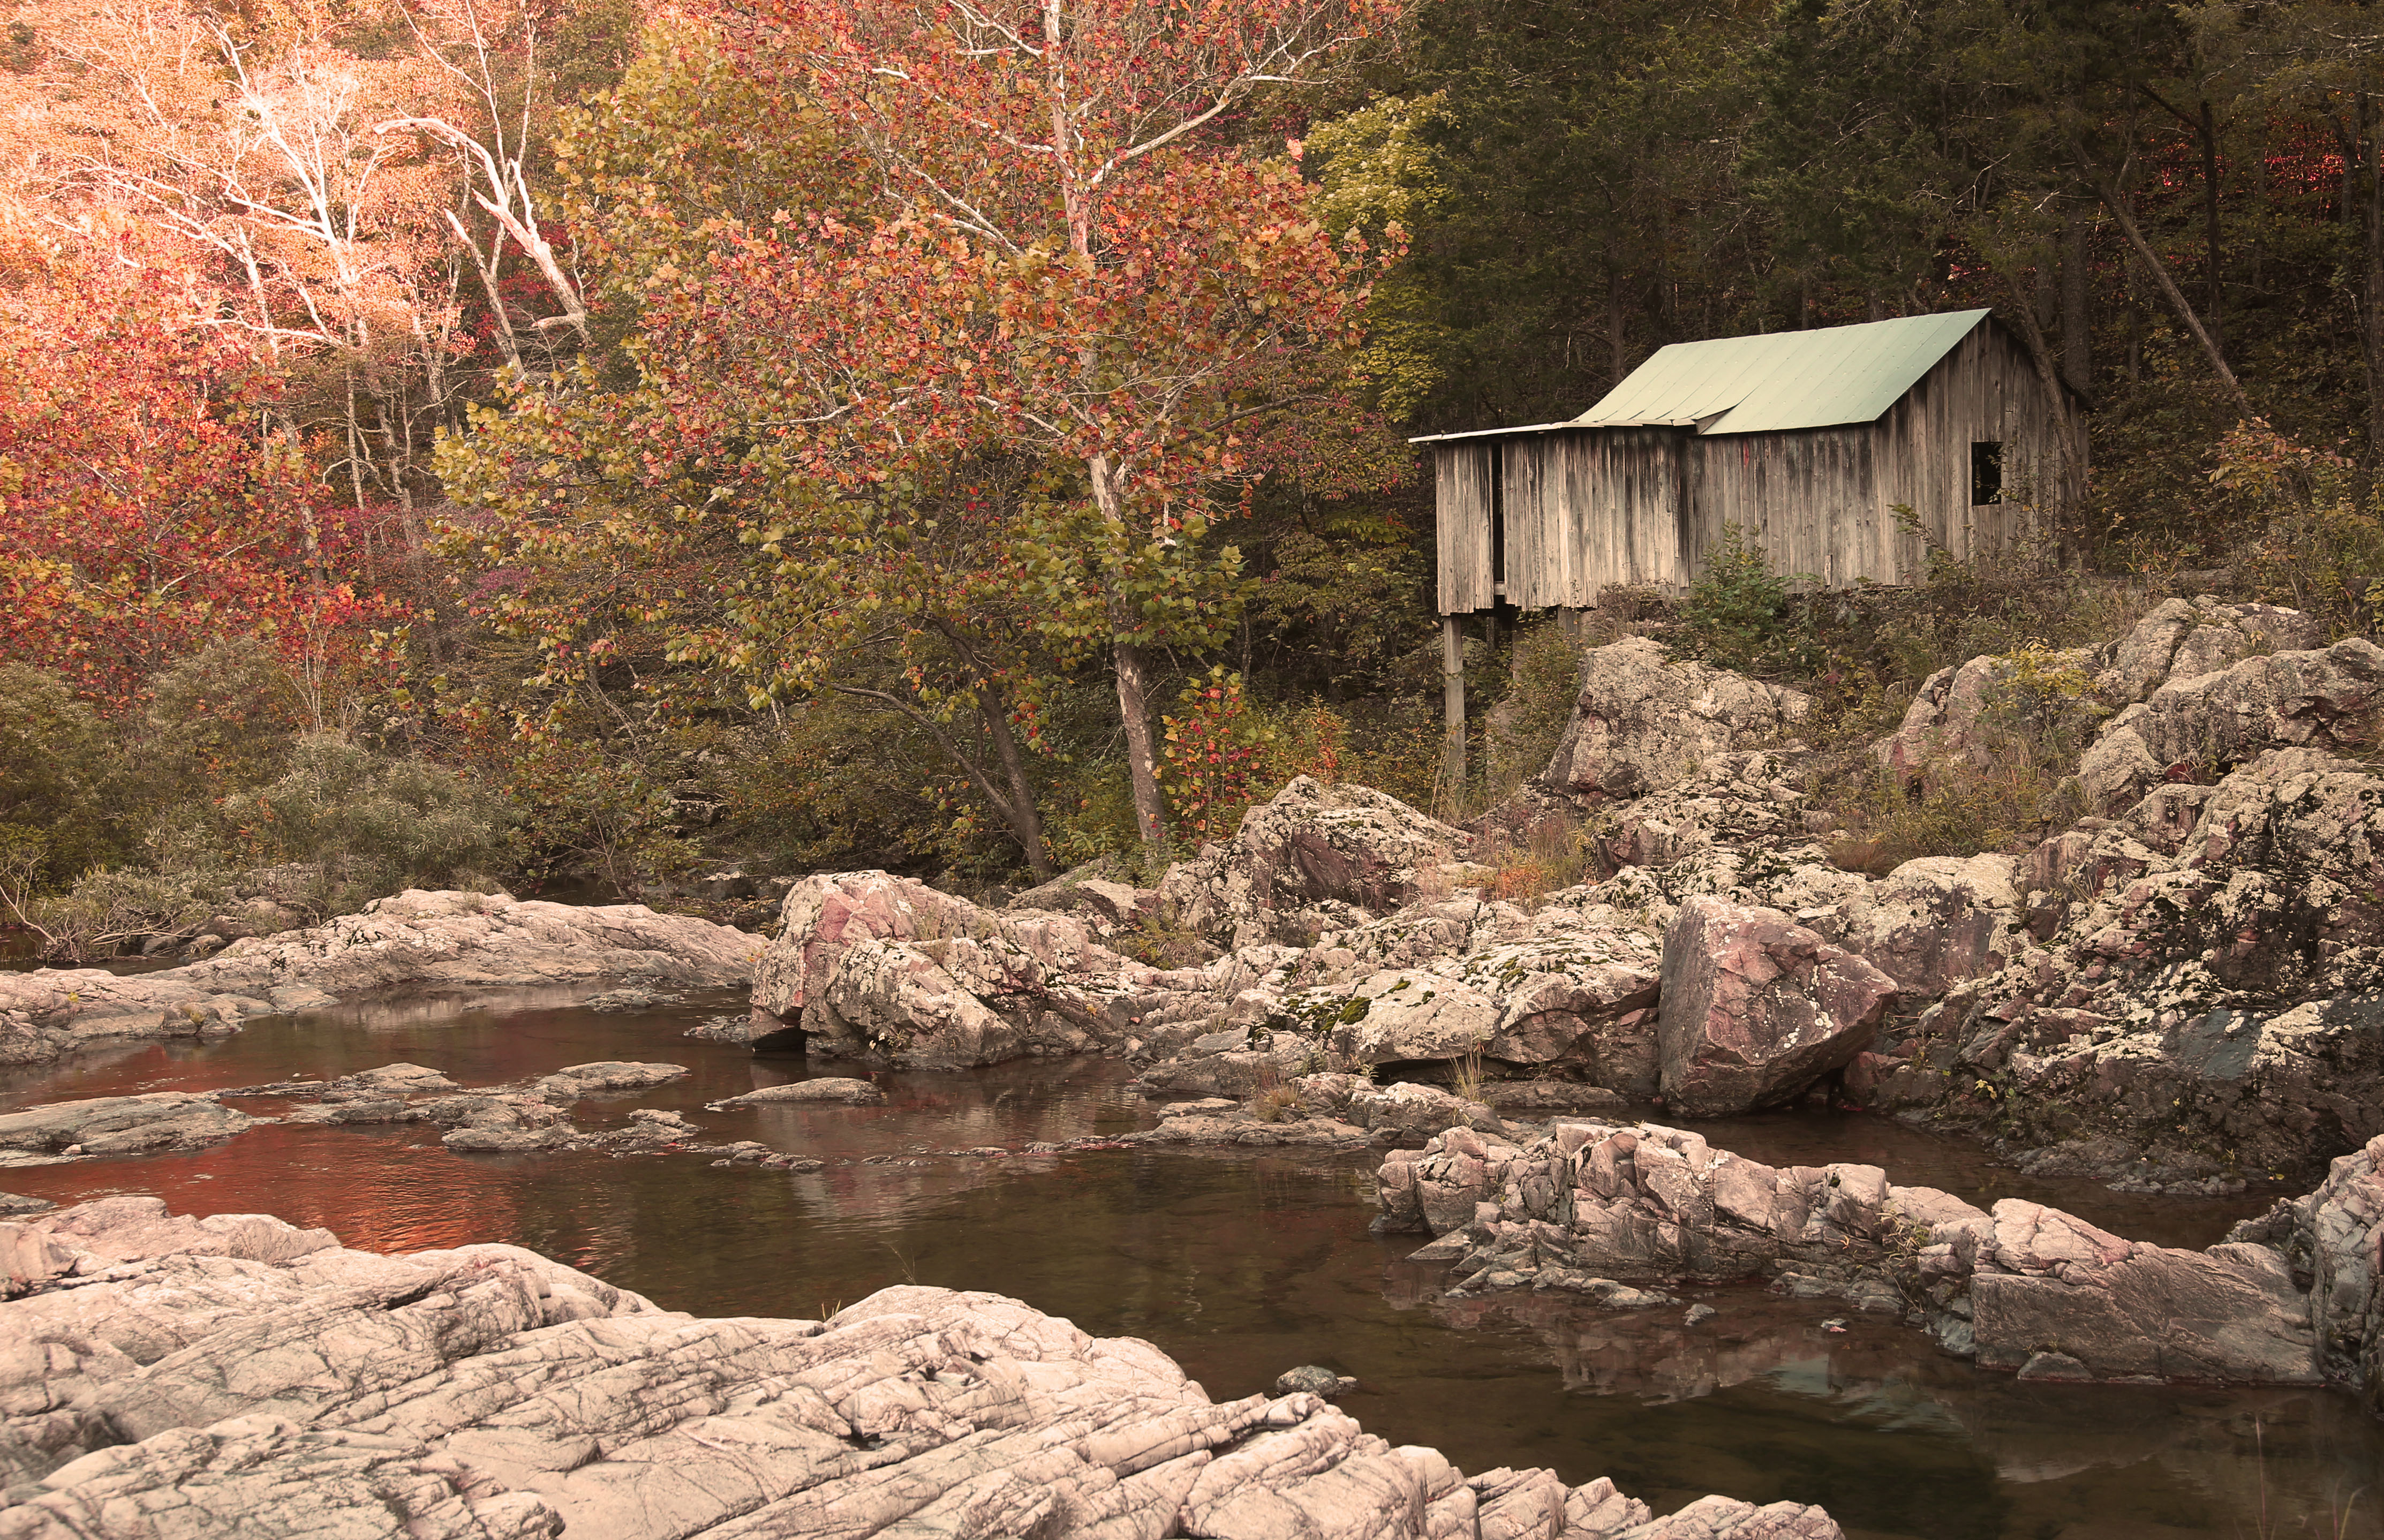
1017	812
1452	707
2371	327
1025	822
2218	301
2167	283
2069	474
1133	673
2077	307
1141	748
1615	331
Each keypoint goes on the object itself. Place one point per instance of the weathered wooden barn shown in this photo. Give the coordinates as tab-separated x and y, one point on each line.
1807	441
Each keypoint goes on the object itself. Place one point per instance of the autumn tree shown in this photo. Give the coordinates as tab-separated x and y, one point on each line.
1085	266
143	514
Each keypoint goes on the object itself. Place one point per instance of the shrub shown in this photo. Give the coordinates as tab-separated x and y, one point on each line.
370	824
1519	733
1739	613
63	783
2318	533
1209	749
1278	1104
2013	782
1554	855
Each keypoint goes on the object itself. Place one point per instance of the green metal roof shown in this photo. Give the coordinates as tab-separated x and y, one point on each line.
1789	379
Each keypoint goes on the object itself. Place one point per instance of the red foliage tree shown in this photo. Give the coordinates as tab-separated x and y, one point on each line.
146	508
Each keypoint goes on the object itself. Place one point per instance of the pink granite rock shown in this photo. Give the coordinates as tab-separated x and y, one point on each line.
1755	1008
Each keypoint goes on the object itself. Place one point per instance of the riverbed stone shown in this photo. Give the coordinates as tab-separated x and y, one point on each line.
823	1088
284	1388
1755	1008
1412	1112
416	938
575	1081
150	1122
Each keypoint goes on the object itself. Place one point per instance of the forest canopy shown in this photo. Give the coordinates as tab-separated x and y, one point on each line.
969	438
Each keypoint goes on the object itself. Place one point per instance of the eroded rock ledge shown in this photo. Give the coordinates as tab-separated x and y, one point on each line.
234	1376
437	941
2290	1299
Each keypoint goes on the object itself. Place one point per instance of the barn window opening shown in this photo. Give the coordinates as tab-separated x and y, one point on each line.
1497	520
1986	471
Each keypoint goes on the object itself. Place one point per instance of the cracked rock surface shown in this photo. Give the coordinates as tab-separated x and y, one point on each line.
235	1377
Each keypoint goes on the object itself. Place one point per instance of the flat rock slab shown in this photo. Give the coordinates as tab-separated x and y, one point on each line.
433	940
1645	1201
856	1093
575	1081
238	1377
121	1124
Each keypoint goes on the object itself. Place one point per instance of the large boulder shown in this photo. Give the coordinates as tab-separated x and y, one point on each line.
418	939
2201	727
1936	921
1316	857
888	970
2335	1236
1953	718
2049	1284
1567	990
2186	639
2203	1007
1738	802
1951	723
253	1379
1755	1008
1642	723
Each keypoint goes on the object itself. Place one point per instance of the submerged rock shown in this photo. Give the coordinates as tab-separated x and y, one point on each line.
1316	1380
243	1377
856	1093
575	1081
426	939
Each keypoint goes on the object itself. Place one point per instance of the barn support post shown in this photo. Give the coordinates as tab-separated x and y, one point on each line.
1452	710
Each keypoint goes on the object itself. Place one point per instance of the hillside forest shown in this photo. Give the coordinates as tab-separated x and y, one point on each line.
591	444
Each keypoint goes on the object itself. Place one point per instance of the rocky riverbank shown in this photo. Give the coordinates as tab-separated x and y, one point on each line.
444	941
2183	990
2294	1297
235	1375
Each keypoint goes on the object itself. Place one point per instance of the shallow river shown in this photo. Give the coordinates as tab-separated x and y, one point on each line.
1241	1266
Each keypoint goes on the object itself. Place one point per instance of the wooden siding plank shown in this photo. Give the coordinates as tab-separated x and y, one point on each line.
1462	479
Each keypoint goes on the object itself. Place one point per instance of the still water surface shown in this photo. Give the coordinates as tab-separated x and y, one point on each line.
1241	1265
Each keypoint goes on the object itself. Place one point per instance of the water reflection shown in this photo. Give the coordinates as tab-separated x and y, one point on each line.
1242	1265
